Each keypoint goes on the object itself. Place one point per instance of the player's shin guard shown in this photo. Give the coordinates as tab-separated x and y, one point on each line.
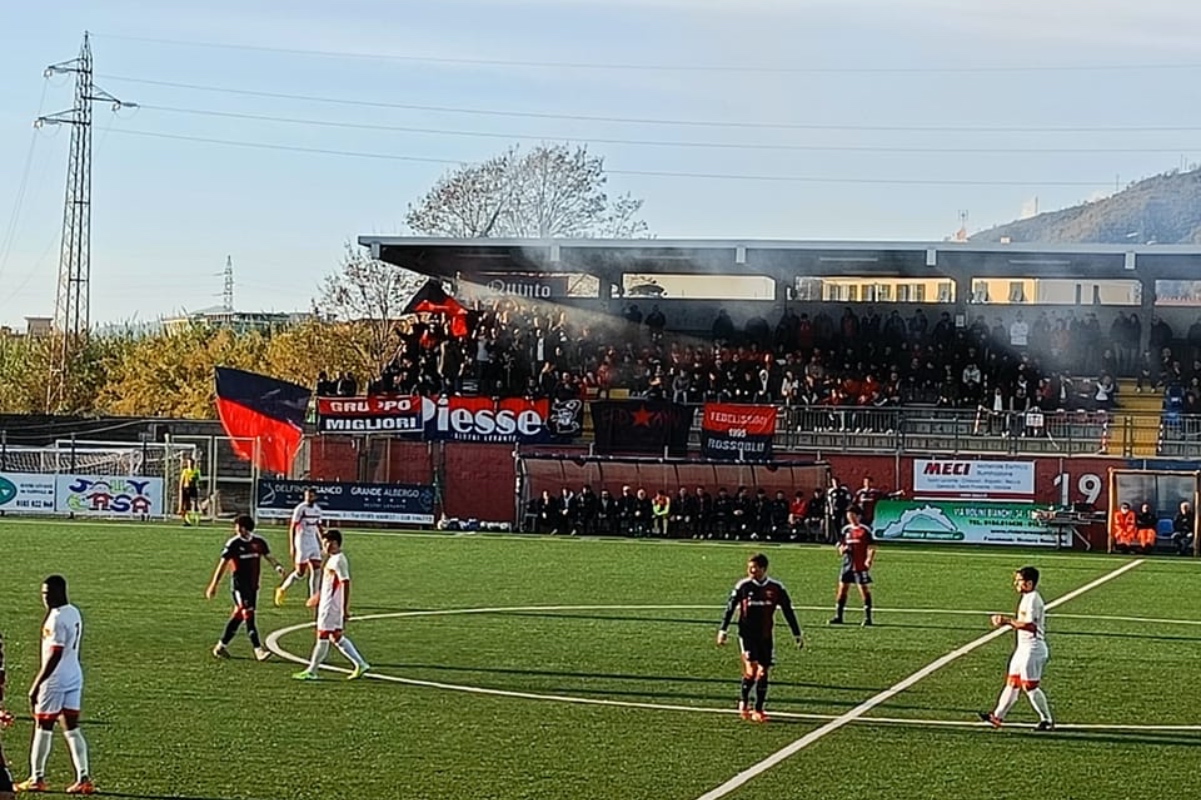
747	685
760	692
840	609
231	628
867	606
347	648
252	630
320	651
79	752
39	752
314	582
1009	696
1038	699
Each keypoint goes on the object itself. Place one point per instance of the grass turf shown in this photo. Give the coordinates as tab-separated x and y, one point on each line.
164	719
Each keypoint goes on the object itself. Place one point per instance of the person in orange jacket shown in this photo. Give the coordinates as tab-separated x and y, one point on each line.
1146	521
1123	529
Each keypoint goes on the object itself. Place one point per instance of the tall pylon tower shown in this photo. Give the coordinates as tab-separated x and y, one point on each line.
72	303
227	297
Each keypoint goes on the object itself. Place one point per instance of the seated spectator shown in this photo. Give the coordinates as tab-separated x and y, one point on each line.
643	513
606	514
660	513
1183	529
1146	521
1123	529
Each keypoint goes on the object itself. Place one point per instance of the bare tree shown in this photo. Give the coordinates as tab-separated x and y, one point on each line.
371	293
552	191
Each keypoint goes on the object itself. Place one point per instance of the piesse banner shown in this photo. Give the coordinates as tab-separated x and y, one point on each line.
962	522
730	431
410	504
457	419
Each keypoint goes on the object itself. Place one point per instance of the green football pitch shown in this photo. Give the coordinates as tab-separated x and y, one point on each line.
527	667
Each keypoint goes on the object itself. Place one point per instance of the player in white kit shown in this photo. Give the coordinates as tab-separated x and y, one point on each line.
6	721
57	690
333	610
1029	657
304	545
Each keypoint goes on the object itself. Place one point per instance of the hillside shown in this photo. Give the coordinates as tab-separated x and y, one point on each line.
1165	209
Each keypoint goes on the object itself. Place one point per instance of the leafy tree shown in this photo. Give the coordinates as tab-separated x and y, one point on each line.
551	191
371	295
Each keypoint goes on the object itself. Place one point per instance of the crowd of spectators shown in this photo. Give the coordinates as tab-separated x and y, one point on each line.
854	359
695	513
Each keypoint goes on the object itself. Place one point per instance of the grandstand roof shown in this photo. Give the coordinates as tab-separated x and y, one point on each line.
449	257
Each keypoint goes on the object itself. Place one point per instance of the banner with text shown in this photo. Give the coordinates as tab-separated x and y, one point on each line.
641	426
26	493
964	522
937	478
108	495
457	419
408	504
731	431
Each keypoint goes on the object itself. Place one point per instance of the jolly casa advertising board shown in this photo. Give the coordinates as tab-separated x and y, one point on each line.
85	495
961	522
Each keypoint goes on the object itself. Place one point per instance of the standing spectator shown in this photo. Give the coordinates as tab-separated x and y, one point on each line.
703	528
607	513
655	323
1019	333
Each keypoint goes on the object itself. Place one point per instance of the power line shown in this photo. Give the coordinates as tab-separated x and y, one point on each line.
325	123
652	67
787	126
644	173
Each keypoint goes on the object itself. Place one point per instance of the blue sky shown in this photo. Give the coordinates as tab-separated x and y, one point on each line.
167	212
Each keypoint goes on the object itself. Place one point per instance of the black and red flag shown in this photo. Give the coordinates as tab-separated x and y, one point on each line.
737	432
256	407
637	426
433	299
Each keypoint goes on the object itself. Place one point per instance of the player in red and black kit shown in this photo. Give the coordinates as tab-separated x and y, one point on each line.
756	598
6	721
243	554
858	550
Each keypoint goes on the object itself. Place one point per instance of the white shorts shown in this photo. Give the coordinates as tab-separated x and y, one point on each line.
307	548
52	701
1027	664
330	621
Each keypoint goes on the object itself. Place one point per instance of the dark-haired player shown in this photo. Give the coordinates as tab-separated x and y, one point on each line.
858	550
1029	657
242	555
6	721
57	690
756	597
333	610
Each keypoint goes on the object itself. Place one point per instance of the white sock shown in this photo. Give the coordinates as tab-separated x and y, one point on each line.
79	752
348	649
1038	699
39	752
314	582
1009	696
293	576
320	651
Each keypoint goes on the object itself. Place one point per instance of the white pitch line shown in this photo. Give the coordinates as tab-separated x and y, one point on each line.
858	711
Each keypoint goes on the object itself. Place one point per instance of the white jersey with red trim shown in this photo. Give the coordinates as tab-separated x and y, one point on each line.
1032	609
331	611
63	628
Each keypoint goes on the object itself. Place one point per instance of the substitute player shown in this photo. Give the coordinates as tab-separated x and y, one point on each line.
333	610
57	690
756	597
189	493
6	721
1029	657
243	555
858	550
304	546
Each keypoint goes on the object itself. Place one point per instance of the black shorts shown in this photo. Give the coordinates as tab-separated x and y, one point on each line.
6	778
189	498
245	598
861	577
757	650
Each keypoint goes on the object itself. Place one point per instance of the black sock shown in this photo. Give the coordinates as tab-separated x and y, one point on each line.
252	630
761	692
747	684
231	628
842	606
867	607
